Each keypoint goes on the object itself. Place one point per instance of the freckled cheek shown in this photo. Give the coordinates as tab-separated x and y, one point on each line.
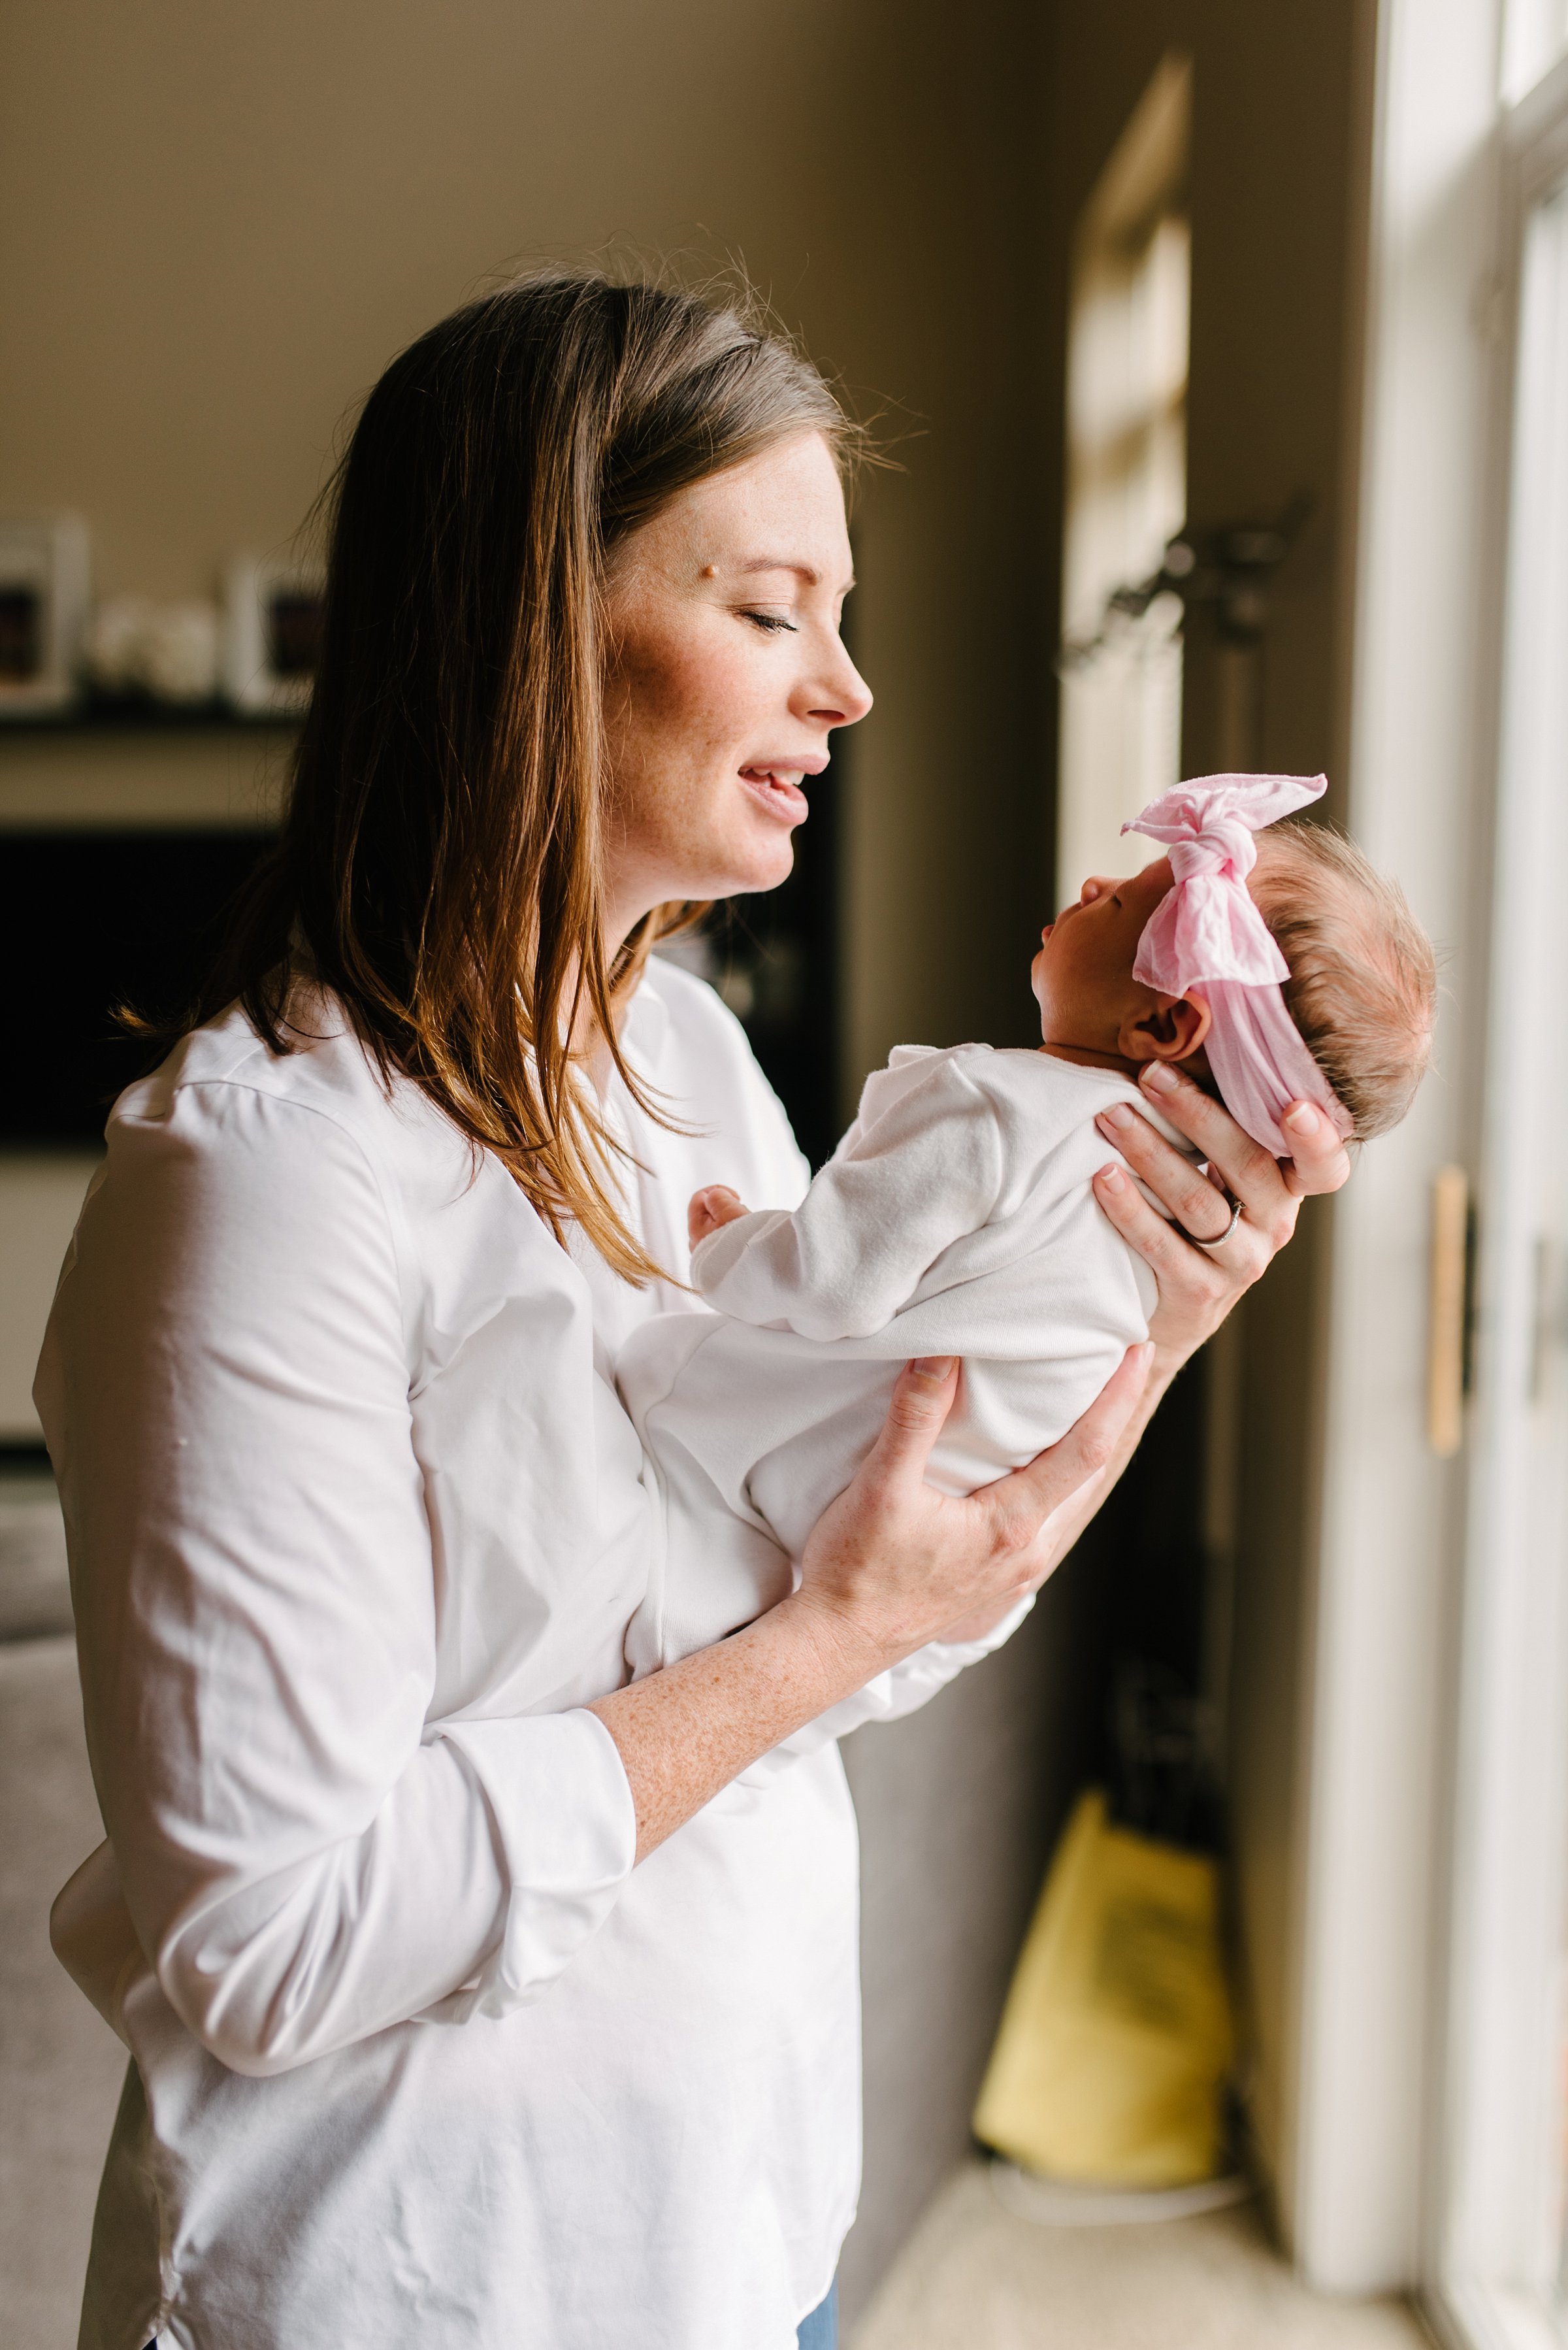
678	747
681	701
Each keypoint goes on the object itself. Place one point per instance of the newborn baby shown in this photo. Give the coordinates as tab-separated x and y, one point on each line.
956	1216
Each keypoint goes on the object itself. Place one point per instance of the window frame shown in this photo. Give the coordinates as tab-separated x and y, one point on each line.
1492	2252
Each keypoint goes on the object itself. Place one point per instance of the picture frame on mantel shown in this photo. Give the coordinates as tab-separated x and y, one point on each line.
46	581
273	613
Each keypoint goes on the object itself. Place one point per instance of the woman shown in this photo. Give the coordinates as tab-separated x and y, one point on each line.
472	1999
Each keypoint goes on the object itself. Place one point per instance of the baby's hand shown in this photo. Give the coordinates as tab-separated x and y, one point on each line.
709	1209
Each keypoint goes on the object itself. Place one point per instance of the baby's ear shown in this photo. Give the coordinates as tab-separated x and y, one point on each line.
1172	1030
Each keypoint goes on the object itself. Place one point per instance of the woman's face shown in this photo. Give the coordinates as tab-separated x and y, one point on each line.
726	675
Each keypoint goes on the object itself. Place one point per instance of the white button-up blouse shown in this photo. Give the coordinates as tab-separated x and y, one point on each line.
357	1524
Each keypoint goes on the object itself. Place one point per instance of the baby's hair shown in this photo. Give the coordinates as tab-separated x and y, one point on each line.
1363	980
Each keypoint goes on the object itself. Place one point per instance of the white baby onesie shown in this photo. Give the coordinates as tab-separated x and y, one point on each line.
955	1218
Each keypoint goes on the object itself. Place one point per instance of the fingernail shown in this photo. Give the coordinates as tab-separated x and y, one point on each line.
1160	1079
1119	1116
1110	1178
935	1367
1300	1120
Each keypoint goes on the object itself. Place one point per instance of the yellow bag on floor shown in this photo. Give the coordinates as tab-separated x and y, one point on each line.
1111	2059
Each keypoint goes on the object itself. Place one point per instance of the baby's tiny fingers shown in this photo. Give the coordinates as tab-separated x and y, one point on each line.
709	1208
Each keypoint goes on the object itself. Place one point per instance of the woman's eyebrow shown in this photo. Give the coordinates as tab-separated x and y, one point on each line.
805	572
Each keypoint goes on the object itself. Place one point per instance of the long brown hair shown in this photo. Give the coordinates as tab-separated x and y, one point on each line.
439	857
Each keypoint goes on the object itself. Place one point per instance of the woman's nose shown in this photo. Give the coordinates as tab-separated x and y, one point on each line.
844	696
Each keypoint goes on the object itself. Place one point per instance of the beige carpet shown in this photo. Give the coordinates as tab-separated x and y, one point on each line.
975	2277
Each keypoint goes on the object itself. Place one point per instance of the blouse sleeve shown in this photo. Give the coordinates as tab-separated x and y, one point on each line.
226	1386
901	1188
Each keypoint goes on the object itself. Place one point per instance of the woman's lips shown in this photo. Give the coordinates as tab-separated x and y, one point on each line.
778	791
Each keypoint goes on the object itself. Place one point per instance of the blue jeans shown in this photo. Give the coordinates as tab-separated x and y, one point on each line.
820	2330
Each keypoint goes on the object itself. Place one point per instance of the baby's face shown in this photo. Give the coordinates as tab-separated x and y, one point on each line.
1082	976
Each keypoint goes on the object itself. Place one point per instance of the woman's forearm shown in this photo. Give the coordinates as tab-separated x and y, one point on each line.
684	1733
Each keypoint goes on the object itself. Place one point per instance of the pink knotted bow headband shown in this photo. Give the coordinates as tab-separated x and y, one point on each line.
1207	932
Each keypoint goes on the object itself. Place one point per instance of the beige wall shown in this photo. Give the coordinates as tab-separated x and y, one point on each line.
220	221
1279	161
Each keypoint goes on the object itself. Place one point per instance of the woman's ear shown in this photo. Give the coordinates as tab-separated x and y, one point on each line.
1173	1031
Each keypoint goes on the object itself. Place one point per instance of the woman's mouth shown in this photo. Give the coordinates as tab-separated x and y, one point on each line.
779	791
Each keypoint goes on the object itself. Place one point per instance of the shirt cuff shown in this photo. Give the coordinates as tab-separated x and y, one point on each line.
565	1831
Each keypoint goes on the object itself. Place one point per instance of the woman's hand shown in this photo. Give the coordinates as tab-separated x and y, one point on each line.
1199	1284
893	1563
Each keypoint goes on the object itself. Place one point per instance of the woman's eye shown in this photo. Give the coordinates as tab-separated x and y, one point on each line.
771	623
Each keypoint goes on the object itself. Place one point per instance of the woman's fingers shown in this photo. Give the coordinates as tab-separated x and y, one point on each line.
1319	1162
922	1398
1192	1197
1199	1285
892	1562
1178	1267
1246	1170
879	1556
1196	1286
1265	1188
1022	1501
1252	1175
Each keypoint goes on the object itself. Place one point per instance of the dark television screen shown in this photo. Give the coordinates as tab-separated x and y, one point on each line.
89	920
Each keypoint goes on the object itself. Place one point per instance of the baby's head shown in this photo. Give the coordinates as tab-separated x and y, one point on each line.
1361	991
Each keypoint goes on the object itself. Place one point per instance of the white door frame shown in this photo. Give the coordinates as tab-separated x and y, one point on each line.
1388	1557
1493	2245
